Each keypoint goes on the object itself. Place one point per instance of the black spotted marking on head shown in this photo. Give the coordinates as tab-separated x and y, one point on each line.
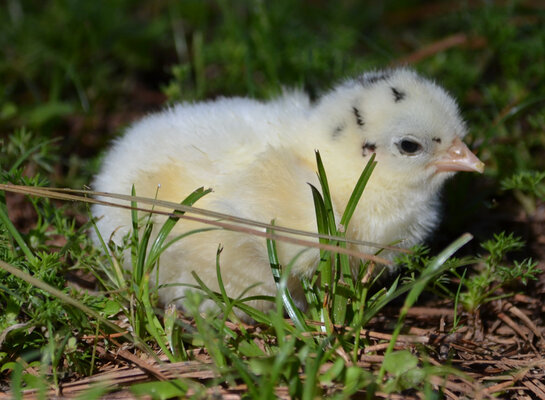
359	118
436	140
338	130
368	147
373	77
398	94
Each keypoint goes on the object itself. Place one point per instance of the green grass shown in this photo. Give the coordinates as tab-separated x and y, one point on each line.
74	74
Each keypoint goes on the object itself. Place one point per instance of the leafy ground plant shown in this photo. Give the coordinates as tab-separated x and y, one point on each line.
35	326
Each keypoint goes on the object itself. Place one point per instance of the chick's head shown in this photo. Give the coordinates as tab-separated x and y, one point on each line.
412	125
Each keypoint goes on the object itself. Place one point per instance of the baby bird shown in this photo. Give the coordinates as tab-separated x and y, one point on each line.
258	158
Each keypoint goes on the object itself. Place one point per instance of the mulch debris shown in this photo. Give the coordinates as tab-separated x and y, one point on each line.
496	358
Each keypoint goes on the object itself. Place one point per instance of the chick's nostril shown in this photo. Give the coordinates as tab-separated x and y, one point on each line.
457	150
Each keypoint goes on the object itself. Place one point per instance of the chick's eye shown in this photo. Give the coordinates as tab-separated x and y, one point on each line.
409	147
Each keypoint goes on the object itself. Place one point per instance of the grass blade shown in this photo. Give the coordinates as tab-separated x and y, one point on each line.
62	296
157	247
280	278
14	233
358	191
326	195
430	272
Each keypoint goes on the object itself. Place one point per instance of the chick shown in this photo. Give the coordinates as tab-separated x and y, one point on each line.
258	157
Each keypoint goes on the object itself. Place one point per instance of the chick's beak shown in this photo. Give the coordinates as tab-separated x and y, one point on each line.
458	157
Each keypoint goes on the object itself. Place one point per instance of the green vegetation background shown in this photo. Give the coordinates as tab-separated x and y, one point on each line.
67	66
